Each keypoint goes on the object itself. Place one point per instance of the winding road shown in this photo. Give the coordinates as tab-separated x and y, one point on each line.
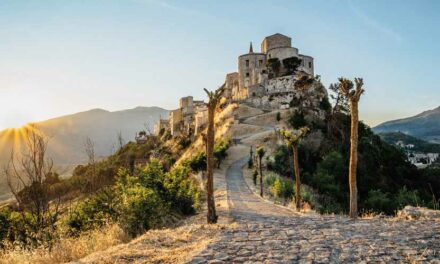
266	233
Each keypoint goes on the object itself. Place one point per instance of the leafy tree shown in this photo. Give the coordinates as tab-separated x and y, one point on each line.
274	67
291	65
297	119
278	117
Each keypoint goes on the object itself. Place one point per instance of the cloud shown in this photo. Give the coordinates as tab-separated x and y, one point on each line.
369	21
167	5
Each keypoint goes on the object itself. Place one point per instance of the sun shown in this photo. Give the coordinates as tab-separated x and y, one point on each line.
16	138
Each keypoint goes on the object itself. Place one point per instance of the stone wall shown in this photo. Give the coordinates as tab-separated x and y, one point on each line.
275	41
280	93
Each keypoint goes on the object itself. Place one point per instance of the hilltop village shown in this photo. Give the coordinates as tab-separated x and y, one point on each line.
264	79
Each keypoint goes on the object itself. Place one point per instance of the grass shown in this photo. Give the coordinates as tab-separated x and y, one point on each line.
68	249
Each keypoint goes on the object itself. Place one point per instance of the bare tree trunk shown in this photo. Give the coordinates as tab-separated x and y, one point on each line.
261	176
297	178
212	216
353	159
214	99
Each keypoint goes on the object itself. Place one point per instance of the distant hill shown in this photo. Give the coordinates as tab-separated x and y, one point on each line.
419	144
425	126
68	134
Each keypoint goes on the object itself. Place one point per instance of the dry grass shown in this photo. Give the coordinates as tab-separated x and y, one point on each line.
69	249
160	246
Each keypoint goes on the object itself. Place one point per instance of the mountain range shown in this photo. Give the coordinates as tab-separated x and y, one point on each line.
425	125
67	134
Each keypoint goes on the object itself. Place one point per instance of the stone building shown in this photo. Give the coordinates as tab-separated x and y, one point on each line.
183	121
161	125
176	122
252	66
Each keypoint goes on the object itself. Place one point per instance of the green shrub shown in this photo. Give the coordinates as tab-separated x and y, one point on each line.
378	201
297	119
93	212
140	209
282	188
250	163
278	117
198	162
407	197
281	162
220	151
270	179
183	193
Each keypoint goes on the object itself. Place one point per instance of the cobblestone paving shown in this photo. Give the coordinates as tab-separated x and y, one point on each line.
266	233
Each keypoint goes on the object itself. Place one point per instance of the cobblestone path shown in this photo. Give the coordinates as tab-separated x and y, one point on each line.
267	233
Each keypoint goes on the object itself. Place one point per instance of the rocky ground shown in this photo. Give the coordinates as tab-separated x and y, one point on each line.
266	233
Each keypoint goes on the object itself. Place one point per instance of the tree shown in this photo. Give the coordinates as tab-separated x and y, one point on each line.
120	140
213	101
292	140
260	155
274	66
353	95
26	176
92	180
278	117
291	65
297	119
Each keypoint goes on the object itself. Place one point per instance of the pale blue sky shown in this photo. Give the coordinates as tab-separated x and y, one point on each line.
59	57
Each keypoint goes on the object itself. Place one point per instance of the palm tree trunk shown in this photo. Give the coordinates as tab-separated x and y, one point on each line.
261	176
297	178
212	216
353	159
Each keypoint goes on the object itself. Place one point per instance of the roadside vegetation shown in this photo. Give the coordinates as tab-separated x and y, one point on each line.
386	181
111	200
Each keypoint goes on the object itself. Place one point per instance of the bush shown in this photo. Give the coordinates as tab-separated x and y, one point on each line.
407	197
291	65
250	163
378	201
297	119
282	188
198	162
140	209
93	212
278	117
270	179
182	191
220	151
281	162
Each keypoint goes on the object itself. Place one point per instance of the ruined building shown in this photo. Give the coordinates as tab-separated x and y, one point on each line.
254	68
264	79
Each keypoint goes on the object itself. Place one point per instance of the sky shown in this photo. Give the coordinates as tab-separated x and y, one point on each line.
61	57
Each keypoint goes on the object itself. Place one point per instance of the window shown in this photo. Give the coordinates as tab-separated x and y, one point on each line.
247	74
260	62
247	63
310	64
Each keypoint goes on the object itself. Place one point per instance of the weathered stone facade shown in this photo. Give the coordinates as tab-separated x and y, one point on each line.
253	74
250	84
280	93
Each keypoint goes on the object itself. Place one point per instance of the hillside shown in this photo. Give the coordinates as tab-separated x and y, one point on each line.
425	125
68	134
419	144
